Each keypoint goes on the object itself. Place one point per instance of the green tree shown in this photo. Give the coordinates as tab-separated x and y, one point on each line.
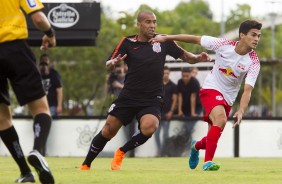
236	16
83	68
193	17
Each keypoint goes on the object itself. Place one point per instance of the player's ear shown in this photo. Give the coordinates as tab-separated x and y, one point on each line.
241	35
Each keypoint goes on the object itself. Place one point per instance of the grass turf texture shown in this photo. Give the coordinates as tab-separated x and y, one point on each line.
155	171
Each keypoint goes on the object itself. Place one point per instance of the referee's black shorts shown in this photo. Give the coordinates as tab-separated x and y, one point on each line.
18	65
126	109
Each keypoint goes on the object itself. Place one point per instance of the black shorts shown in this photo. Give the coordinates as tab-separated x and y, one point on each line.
126	109
18	65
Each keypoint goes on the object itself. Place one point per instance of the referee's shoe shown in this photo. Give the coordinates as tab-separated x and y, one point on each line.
38	162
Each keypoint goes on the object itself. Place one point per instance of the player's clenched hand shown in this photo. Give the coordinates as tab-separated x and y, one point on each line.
204	57
48	42
239	116
158	38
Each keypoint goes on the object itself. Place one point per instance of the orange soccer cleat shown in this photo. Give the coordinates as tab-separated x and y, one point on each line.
117	160
84	167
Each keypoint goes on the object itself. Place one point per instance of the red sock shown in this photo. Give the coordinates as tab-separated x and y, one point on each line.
211	144
201	144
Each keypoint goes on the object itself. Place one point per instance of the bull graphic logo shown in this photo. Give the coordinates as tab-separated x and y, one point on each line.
227	72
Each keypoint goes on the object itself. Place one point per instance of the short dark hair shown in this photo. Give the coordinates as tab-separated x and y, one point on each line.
43	55
41	61
140	14
186	70
247	25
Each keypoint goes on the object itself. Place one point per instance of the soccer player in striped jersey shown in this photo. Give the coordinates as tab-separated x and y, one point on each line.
235	61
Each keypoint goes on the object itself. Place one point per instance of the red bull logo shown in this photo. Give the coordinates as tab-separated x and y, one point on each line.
227	72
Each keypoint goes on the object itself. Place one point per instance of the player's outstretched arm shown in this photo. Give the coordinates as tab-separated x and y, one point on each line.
195	58
110	64
180	37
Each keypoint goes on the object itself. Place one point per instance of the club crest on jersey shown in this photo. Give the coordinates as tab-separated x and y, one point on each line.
157	47
241	66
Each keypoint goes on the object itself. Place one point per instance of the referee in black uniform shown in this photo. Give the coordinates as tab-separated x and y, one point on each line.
18	65
142	95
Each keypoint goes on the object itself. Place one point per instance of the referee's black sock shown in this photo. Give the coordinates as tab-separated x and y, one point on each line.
97	145
41	128
134	142
11	140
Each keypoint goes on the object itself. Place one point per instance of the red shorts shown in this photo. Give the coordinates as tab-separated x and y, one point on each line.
211	98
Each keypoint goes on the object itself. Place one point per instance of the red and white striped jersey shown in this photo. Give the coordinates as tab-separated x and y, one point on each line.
229	68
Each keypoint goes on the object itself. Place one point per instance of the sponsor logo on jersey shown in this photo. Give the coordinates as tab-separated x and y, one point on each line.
227	72
223	56
157	47
135	48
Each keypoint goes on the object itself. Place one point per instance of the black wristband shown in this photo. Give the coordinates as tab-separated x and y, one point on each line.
50	32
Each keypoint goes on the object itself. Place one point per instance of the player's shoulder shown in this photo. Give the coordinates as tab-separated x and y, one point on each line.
225	41
131	38
31	6
195	80
253	56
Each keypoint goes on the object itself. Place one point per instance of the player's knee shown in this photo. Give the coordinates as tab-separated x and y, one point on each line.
108	131
220	120
148	128
5	122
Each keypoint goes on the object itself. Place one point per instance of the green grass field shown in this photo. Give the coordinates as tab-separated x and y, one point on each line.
156	171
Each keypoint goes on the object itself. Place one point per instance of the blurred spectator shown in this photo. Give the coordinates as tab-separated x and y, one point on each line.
188	89
170	100
52	84
199	107
194	71
116	79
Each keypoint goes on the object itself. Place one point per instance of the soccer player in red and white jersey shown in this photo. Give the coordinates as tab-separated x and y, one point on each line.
234	61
